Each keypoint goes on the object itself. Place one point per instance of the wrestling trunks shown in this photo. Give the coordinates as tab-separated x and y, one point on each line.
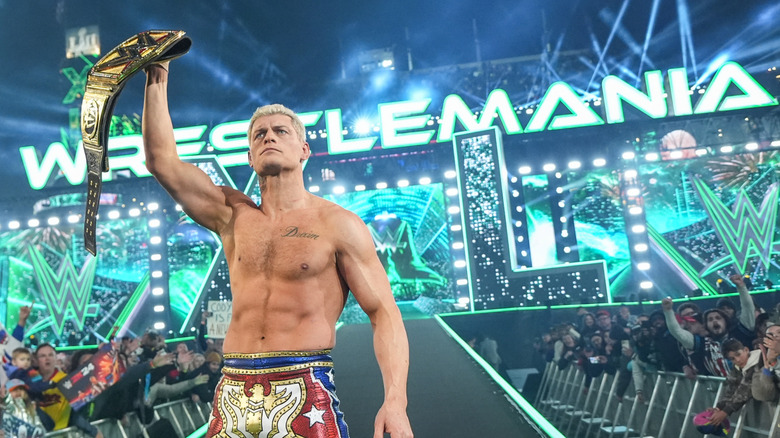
278	394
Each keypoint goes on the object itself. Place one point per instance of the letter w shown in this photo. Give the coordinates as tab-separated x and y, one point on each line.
744	231
65	292
38	173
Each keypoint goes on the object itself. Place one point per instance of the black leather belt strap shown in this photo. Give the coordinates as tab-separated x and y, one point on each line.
104	83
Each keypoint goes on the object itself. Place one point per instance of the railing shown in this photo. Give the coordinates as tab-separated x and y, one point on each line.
674	400
185	415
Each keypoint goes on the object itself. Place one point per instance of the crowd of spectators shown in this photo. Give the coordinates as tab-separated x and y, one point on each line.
152	371
741	346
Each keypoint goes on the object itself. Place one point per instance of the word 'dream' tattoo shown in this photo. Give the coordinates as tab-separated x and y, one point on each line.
293	232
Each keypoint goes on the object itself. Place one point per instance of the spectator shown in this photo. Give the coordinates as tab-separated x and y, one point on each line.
587	325
698	345
670	357
21	366
737	389
565	350
722	324
766	385
19	405
50	399
212	368
128	393
688	309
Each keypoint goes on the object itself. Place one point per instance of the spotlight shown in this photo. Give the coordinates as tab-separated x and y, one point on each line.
751	146
53	221
314	189
599	162
548	167
727	149
73	218
574	164
524	170
646	285
628	155
403	183
424	181
32	223
643	266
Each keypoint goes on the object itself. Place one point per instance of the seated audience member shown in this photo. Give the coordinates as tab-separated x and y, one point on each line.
766	385
19	405
737	389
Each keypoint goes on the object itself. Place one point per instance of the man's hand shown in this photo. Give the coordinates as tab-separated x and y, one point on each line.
717	417
392	420
201	379
667	304
163	359
737	279
24	313
184	358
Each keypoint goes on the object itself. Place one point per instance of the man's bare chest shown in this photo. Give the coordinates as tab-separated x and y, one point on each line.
291	250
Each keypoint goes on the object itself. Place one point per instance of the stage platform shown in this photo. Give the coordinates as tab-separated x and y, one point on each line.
450	394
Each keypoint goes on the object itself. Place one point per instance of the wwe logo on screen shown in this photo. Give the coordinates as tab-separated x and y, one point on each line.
744	231
65	292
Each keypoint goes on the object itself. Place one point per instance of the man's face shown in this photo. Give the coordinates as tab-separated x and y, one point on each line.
275	145
739	358
181	348
659	323
624	313
597	341
772	338
214	367
46	359
23	361
728	311
605	323
687	311
716	324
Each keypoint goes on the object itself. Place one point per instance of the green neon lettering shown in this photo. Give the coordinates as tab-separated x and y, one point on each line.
336	142
496	105
392	121
754	95
615	91
679	96
561	93
38	173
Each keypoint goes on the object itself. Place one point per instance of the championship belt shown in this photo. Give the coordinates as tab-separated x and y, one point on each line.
104	83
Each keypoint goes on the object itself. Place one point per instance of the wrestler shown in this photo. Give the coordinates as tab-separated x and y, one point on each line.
292	260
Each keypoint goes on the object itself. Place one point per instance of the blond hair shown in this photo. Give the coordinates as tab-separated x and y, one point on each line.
276	108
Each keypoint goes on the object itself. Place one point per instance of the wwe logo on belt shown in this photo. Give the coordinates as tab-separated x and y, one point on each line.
261	415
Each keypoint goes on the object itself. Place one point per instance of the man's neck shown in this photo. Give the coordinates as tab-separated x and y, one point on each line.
282	193
49	375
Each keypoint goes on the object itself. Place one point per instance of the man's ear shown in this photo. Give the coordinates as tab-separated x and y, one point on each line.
306	152
249	157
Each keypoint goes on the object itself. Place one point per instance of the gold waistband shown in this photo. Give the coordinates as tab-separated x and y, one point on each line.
275	354
284	369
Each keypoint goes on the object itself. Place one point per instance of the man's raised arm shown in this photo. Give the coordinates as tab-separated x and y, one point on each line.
188	185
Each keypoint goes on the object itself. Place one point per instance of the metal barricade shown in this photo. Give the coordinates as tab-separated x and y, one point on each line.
669	412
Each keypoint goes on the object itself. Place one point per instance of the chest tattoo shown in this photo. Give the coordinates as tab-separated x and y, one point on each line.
293	232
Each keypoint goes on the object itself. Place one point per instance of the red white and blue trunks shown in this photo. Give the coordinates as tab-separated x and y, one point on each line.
278	394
